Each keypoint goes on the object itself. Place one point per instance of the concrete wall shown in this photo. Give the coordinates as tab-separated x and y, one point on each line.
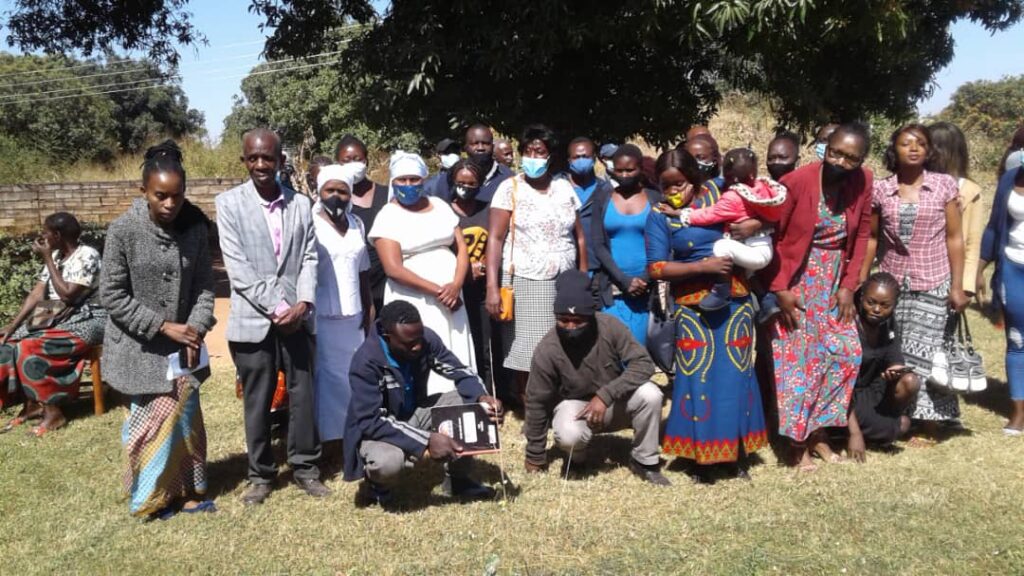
23	207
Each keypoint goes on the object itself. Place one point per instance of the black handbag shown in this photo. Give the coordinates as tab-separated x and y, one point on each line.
661	329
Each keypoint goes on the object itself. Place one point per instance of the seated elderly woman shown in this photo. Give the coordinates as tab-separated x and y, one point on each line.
42	351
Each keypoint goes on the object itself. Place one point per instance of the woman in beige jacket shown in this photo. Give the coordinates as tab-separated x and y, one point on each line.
949	156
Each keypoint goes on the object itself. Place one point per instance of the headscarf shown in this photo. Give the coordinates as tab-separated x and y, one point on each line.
343	172
404	164
1015	160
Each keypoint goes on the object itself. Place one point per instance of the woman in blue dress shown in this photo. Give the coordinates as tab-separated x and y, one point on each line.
617	236
716	416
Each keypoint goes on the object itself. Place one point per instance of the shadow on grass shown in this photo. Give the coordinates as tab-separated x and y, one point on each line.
995	398
419	488
226	474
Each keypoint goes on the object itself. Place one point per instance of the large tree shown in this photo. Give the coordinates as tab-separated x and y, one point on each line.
73	110
992	108
610	68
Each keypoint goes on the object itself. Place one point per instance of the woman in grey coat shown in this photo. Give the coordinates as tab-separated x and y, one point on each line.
157	286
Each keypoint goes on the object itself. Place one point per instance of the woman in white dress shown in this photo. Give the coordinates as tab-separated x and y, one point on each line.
343	302
425	259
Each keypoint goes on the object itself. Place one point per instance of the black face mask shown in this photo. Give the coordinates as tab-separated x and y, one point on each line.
577	341
483	159
627	182
708	171
777	171
833	173
335	207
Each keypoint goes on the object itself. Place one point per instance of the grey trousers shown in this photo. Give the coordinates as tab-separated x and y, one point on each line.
384	462
641	412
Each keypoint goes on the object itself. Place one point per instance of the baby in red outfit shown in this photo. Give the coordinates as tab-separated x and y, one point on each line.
747	196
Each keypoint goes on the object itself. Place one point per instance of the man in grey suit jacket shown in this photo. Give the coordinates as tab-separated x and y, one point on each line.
269	250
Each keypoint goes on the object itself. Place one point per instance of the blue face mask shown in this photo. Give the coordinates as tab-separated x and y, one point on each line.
582	166
819	150
408	194
534	167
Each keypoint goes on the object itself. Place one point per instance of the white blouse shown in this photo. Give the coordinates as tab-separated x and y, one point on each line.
340	260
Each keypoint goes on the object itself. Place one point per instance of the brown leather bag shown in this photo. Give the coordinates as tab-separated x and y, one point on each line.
508	293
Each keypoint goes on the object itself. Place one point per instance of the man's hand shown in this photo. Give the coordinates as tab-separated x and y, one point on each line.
740	231
791	307
532	468
593	413
494	408
843	299
291	319
855	447
637	287
182	334
443	448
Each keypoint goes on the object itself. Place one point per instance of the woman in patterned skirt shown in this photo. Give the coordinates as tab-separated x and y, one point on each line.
820	243
716	416
916	231
157	286
46	358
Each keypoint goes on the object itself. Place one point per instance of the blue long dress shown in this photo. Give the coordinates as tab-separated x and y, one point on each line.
626	241
716	402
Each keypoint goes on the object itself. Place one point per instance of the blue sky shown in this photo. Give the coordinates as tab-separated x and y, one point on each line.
212	74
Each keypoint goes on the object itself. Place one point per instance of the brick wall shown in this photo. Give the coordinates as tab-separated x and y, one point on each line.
23	207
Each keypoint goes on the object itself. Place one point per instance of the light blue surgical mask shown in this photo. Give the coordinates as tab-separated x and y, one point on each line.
534	167
819	150
582	166
408	194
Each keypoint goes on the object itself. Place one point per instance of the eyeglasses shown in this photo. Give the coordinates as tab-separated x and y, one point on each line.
843	156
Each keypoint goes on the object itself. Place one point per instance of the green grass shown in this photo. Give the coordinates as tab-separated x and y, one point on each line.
953	509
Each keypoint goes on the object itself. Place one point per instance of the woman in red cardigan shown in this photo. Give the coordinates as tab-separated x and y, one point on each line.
820	245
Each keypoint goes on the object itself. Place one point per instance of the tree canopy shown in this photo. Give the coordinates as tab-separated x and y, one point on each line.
610	69
71	110
992	108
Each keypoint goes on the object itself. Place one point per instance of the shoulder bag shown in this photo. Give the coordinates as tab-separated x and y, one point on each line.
508	293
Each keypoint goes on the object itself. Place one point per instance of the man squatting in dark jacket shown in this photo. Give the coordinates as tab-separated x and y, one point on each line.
589	375
388	425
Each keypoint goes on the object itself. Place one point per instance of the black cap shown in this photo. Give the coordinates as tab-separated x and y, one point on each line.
446	146
573	294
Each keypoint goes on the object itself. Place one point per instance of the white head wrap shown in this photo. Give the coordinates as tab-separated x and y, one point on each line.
404	164
343	172
1015	160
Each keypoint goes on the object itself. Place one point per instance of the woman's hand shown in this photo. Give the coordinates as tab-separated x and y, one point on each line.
791	307
843	300
740	231
980	288
182	334
855	447
958	300
637	287
41	247
717	265
5	333
493	303
448	295
478	270
668	210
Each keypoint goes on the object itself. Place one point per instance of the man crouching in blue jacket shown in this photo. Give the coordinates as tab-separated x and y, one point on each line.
388	425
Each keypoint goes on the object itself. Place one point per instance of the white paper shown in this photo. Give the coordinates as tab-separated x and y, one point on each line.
174	369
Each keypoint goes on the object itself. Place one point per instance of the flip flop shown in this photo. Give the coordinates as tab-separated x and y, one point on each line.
14	423
40	430
921	442
204	506
1012	432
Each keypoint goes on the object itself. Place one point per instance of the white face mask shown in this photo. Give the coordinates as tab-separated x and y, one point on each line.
609	165
449	160
360	171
